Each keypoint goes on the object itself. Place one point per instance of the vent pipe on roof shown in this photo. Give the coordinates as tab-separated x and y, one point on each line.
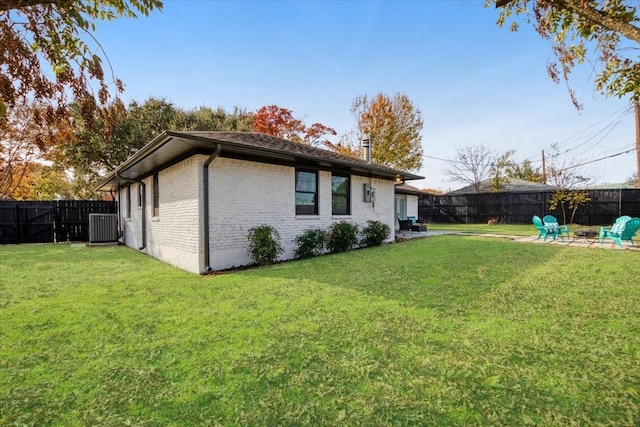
367	146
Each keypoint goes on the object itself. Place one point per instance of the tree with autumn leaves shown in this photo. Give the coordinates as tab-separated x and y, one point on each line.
50	59
46	57
280	122
49	111
393	124
26	147
602	33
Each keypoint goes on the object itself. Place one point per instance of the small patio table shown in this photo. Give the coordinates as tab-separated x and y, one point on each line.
418	227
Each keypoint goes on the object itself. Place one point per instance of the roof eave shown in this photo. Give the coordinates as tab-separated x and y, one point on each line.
203	143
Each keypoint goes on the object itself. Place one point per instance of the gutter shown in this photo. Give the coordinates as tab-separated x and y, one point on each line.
205	200
136	158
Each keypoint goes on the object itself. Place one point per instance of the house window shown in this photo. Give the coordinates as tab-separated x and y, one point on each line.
306	192
128	195
139	195
340	195
156	196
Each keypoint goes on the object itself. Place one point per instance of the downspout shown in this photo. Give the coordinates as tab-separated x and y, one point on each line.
205	201
143	189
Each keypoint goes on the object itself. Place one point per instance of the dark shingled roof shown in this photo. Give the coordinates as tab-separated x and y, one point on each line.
172	146
513	185
620	186
408	189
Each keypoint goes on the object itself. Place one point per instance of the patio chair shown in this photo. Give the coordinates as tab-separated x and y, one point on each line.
616	227
623	229
404	225
551	221
544	230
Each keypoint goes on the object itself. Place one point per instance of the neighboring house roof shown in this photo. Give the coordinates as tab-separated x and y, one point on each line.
512	185
170	147
622	186
408	189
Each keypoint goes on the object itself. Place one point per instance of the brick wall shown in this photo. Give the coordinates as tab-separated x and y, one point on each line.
173	235
247	194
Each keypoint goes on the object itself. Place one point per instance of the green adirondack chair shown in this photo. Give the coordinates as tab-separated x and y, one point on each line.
545	231
623	229
551	221
616	227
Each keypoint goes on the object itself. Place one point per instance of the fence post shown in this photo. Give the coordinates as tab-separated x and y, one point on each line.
15	206
620	199
55	221
466	211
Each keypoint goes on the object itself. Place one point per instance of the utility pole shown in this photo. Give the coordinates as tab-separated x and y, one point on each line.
637	108
544	169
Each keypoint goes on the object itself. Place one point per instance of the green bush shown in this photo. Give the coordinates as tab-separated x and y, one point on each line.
264	244
374	233
342	237
310	243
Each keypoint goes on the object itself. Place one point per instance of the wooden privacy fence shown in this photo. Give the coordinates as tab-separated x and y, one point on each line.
518	208
48	221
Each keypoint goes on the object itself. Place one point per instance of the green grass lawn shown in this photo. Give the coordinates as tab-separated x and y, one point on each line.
447	330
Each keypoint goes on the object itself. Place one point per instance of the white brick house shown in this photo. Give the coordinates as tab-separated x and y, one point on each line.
190	198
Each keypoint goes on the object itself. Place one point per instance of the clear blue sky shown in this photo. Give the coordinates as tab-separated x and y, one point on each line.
474	82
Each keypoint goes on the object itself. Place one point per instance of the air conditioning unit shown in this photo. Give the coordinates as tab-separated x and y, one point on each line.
103	228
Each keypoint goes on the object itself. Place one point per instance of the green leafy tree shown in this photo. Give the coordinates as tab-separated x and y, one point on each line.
46	57
208	119
51	183
525	171
91	153
500	170
393	124
603	33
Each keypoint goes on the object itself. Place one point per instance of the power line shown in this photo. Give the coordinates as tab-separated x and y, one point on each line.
438	158
569	167
601	158
607	130
622	114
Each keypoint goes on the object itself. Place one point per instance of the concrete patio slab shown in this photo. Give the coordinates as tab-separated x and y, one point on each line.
571	242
